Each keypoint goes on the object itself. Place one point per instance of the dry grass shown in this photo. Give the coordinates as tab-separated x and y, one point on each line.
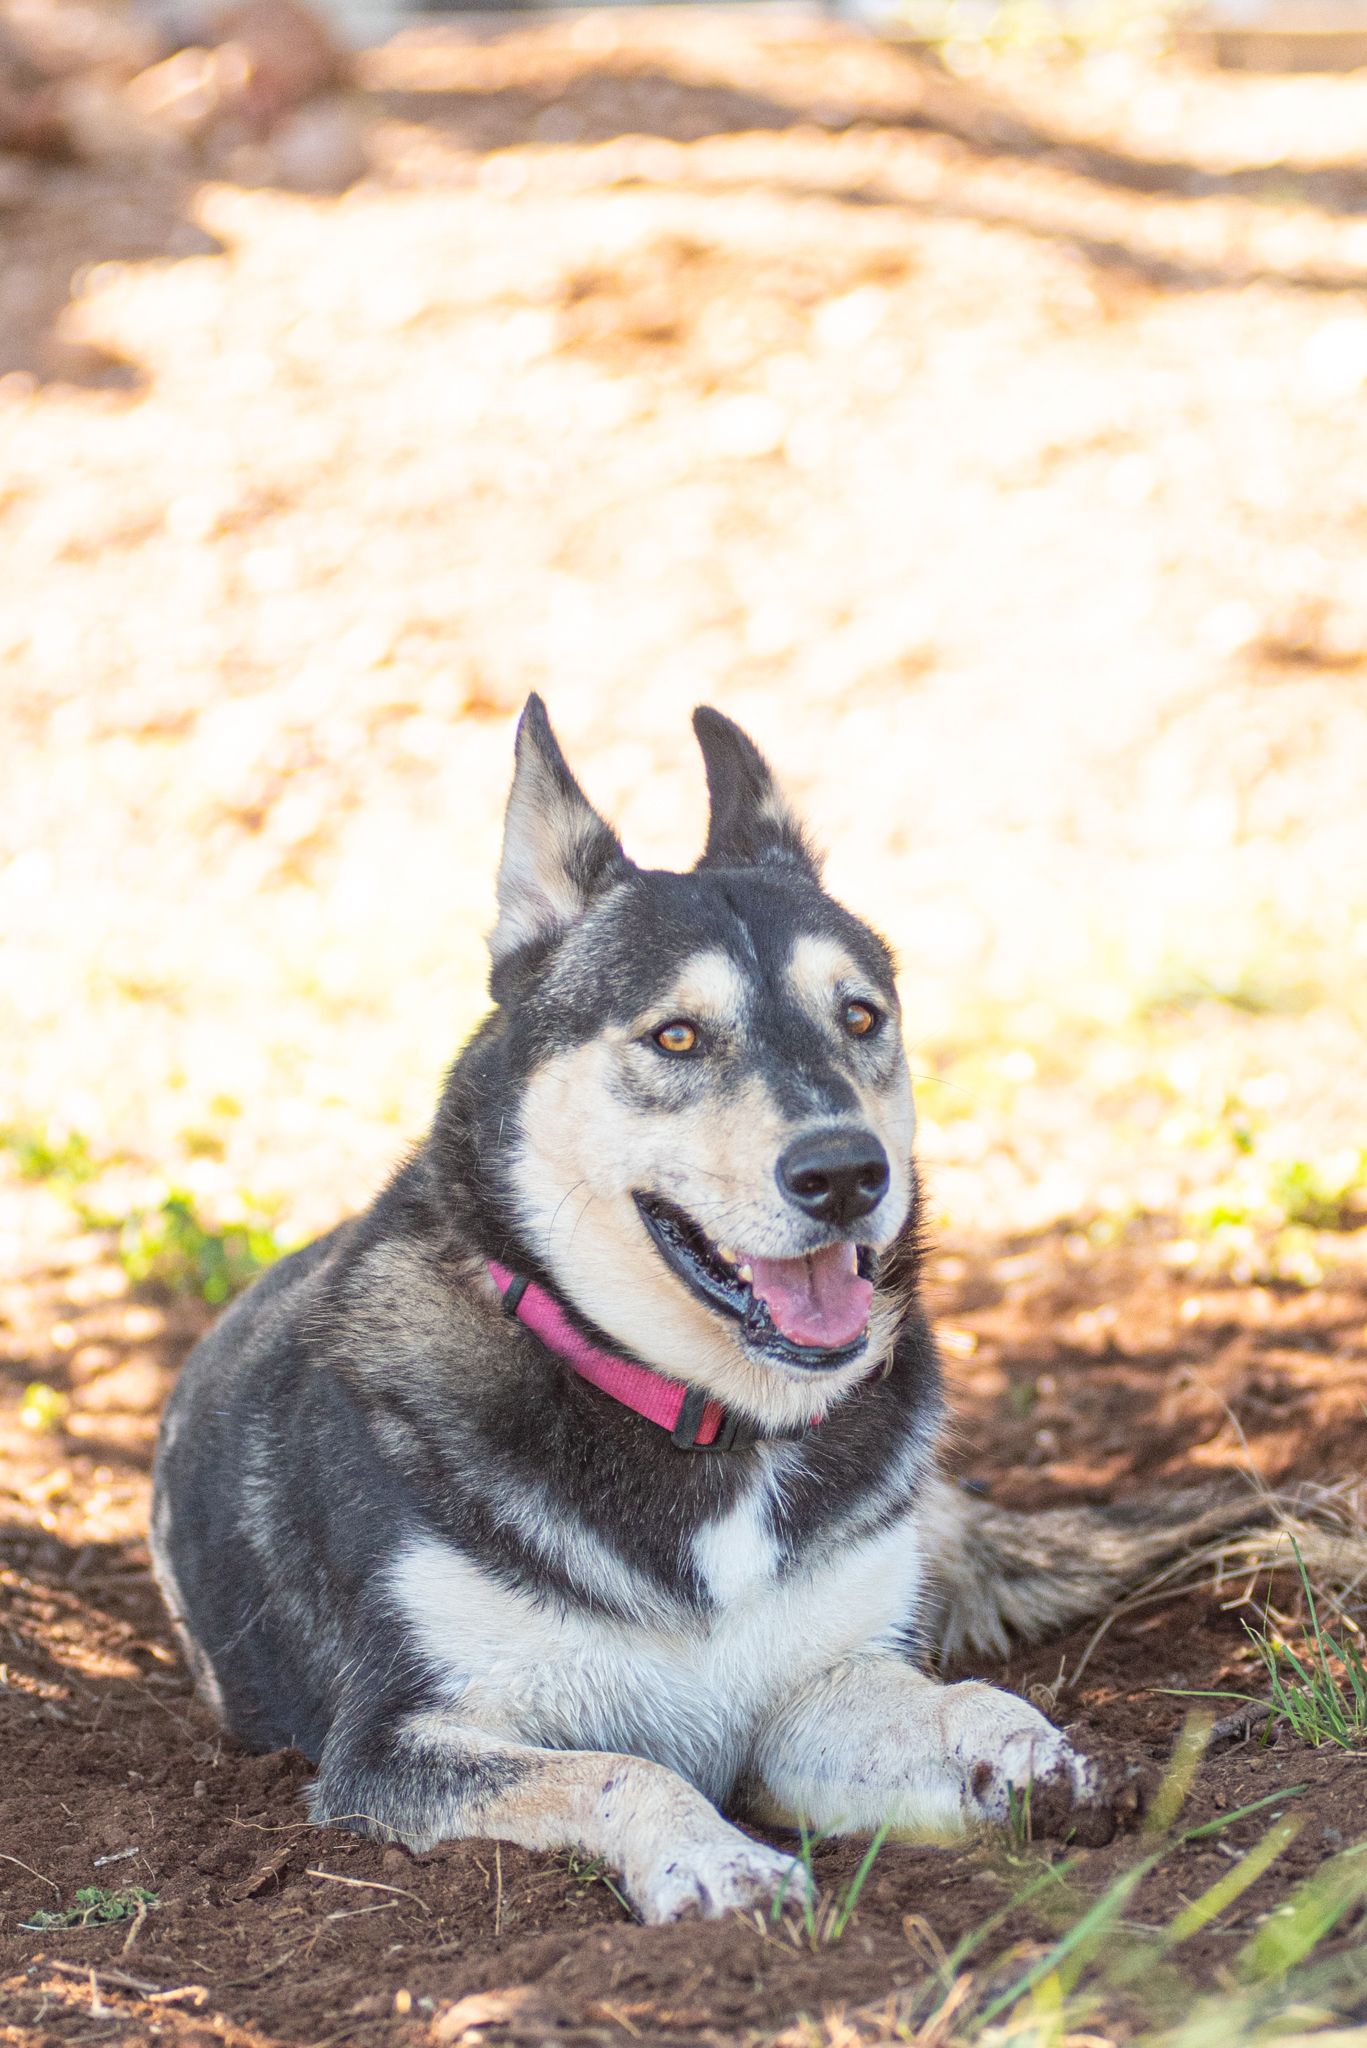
1309	1536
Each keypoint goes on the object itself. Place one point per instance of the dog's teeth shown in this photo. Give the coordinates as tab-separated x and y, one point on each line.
727	1252
744	1273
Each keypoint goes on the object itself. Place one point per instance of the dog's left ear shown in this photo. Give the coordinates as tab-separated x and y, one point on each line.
558	854
751	823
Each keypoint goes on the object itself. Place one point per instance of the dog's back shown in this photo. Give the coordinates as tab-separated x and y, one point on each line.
242	1543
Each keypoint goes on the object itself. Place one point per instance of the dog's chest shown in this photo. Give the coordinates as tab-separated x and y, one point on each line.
684	1685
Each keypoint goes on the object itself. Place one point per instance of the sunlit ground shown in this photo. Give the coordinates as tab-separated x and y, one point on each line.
993	446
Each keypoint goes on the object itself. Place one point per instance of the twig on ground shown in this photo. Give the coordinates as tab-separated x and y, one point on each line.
1234	1727
119	1980
369	1884
614	2012
31	1871
139	1917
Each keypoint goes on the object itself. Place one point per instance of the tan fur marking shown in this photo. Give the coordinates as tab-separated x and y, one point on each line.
820	971
709	989
676	1854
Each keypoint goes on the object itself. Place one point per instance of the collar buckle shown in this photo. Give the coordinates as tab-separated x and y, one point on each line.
734	1432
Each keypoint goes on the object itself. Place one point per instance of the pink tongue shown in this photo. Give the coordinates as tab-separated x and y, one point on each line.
817	1300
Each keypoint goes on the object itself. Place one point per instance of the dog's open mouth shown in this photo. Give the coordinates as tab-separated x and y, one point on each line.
811	1311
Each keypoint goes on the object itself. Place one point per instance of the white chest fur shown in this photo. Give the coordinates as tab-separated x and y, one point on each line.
685	1687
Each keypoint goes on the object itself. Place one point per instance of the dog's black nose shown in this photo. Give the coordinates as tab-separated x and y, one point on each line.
837	1176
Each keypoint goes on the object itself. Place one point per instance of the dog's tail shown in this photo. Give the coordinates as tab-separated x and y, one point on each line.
1002	1577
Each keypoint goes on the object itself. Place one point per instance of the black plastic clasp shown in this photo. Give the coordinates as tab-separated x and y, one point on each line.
735	1433
685	1430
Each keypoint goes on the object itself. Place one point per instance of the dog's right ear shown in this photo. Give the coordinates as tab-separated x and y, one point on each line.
750	822
558	854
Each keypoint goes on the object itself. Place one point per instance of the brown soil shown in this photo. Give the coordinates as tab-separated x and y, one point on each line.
116	1776
697	264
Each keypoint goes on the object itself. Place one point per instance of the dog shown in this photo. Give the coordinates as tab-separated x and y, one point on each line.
587	1483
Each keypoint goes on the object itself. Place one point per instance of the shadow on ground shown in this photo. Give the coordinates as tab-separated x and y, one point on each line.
599	103
536	89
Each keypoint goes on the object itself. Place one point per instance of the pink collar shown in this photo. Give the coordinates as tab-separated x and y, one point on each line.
695	1422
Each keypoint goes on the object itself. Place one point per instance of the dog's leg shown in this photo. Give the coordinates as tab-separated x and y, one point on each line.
873	1740
427	1777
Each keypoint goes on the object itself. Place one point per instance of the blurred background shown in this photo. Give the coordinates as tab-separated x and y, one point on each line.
971	400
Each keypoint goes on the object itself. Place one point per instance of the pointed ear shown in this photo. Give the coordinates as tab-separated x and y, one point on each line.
558	855
751	824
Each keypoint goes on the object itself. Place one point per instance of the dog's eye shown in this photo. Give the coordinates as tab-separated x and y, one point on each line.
677	1037
859	1019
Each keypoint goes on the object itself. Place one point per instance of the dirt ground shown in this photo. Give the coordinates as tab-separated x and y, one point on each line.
994	441
114	1775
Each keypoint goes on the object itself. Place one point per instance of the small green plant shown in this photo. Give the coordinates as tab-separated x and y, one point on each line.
1314	1703
1022	1396
1018	1816
43	1408
1325	1195
593	1870
1322	1697
825	1924
1290	1935
93	1907
1295	1194
1308	1694
809	1841
1098	1941
169	1245
173	1249
42	1155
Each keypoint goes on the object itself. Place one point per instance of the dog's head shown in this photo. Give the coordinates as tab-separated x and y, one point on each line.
709	1145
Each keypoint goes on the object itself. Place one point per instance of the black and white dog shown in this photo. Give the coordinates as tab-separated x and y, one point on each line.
588	1480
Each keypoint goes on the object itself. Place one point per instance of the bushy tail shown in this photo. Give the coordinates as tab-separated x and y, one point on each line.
1001	1577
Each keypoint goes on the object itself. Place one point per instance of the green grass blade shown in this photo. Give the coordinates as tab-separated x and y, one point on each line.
1212	1902
1171	1795
1100	1915
1295	1930
1227	1820
968	1943
809	1840
856	1883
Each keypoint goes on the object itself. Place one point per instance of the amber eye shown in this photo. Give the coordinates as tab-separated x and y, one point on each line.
859	1019
677	1037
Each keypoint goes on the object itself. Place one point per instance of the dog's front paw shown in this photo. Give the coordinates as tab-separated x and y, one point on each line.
1018	1770
705	1880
